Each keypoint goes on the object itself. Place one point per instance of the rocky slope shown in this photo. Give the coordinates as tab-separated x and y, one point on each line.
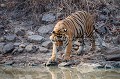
25	31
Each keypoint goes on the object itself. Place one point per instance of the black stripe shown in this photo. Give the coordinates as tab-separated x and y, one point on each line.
80	33
74	25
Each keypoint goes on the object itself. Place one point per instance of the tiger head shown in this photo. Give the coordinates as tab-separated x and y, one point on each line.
59	34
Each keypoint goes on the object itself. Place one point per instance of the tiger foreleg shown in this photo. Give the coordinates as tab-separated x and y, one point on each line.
67	51
52	60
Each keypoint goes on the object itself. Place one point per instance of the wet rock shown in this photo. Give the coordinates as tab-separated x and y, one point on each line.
8	48
35	38
10	62
48	17
46	29
20	31
31	48
47	44
51	63
10	38
43	50
1	47
87	67
69	63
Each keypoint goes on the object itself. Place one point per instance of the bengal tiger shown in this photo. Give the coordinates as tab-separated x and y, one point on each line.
76	26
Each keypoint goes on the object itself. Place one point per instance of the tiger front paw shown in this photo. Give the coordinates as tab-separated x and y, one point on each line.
51	62
66	58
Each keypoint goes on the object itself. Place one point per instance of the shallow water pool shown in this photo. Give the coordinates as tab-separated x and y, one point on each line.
7	72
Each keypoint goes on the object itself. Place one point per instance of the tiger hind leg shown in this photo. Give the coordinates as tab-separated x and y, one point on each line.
92	40
81	47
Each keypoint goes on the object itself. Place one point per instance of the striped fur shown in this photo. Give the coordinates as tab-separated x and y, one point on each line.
76	26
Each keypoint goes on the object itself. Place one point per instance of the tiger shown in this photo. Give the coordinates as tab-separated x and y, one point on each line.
78	25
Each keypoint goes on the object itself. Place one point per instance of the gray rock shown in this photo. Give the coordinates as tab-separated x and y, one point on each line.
47	44
10	37
31	48
46	29
1	47
20	31
43	50
16	44
103	18
35	38
8	48
48	17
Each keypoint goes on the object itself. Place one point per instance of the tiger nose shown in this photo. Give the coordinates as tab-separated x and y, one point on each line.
59	36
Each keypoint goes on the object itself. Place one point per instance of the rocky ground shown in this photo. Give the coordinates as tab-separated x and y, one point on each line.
25	42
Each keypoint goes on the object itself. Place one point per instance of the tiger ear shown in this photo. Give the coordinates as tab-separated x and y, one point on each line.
65	30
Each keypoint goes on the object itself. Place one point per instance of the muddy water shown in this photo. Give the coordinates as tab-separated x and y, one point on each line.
57	73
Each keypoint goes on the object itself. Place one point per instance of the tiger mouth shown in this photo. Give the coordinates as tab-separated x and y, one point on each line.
59	43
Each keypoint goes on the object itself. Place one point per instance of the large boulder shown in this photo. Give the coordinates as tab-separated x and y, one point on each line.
35	38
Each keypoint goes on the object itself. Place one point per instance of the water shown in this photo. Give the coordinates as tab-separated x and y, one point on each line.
57	73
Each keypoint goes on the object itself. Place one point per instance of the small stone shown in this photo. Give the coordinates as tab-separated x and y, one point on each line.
8	48
22	45
31	48
43	50
47	44
17	44
35	38
30	33
48	17
2	39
